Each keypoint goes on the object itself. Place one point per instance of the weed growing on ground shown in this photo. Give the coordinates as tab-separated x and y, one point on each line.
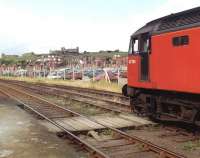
101	85
76	106
190	146
107	132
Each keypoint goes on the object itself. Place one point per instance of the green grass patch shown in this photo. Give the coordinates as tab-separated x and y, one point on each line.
191	146
107	132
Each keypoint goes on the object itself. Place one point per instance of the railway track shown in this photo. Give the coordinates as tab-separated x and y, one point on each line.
101	99
120	144
104	93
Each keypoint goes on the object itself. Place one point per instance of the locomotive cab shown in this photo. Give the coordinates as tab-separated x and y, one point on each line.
139	52
138	65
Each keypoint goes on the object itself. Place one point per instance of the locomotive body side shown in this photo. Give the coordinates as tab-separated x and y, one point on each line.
171	68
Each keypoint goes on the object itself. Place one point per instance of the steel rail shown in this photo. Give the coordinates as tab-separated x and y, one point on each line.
100	92
123	107
86	96
89	147
163	153
91	97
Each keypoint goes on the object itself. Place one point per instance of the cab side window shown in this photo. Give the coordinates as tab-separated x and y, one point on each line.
184	40
180	41
140	44
134	46
144	45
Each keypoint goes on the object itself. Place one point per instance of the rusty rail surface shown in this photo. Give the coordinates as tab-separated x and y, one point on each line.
89	90
111	104
49	111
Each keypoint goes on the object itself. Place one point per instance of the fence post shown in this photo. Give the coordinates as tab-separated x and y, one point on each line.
118	76
44	73
107	76
93	75
82	70
72	72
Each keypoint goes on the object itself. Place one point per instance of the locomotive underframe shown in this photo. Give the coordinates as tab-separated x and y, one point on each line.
165	105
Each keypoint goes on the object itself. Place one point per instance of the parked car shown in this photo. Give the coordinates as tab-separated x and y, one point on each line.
54	75
123	74
69	75
93	73
21	72
111	75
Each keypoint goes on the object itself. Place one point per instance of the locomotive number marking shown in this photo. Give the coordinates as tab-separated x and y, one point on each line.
132	61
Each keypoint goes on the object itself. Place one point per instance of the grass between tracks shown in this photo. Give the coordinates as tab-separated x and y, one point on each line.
101	85
190	146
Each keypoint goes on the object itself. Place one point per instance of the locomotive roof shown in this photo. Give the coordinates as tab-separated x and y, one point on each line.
173	22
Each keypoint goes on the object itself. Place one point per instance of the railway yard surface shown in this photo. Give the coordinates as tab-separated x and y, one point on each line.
22	136
41	120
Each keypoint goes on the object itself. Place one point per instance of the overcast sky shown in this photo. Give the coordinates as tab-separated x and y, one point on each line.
93	25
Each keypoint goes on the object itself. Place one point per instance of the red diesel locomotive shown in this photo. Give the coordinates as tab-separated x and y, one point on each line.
163	68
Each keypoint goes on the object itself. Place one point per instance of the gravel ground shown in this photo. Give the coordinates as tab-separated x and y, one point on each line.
157	135
166	138
22	136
